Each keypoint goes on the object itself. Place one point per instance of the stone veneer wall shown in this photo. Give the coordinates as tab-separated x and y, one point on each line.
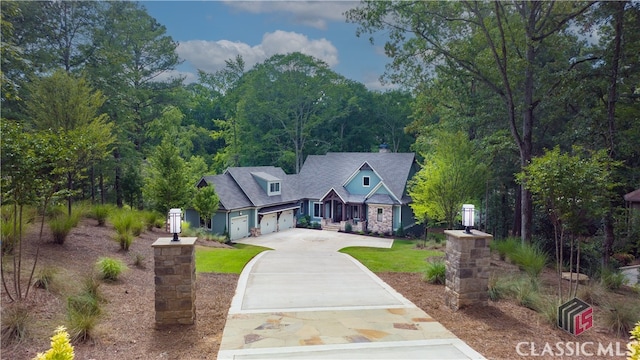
384	226
468	259
175	279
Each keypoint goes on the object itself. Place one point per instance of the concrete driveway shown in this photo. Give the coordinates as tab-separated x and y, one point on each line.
314	240
304	300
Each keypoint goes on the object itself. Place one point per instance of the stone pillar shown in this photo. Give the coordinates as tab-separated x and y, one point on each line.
175	270
468	259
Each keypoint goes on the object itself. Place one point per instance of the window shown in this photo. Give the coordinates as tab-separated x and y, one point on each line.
274	188
366	181
379	218
355	212
317	210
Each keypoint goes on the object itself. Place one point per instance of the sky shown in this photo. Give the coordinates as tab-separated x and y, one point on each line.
210	32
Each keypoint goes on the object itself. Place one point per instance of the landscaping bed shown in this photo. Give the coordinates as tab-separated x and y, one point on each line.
126	329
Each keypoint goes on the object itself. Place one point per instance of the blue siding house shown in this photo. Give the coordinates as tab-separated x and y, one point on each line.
366	190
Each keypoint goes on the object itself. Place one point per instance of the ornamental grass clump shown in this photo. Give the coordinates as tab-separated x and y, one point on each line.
83	313
435	272
110	269
101	213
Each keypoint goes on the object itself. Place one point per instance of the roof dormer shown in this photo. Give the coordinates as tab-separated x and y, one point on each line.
269	183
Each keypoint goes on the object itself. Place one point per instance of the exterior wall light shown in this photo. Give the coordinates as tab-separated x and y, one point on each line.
468	214
175	219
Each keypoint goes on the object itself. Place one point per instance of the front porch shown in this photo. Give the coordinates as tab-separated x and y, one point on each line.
337	214
356	226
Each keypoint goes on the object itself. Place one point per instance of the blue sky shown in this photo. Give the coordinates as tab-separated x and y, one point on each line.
210	32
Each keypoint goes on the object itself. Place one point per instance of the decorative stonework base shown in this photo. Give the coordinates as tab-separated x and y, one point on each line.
468	259
175	279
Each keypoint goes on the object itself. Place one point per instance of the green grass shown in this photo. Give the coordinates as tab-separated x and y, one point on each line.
402	257
230	261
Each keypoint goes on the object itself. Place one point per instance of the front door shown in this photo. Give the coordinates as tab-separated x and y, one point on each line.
337	212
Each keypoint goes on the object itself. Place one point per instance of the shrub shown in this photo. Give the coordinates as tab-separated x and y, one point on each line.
621	317
348	228
60	227
61	348
316	225
137	227
150	219
15	318
530	259
593	293
101	213
527	295
548	307
122	221
125	240
634	344
400	232
623	258
612	280
109	269
498	288
304	221
44	278
83	312
435	272
505	248
10	228
138	261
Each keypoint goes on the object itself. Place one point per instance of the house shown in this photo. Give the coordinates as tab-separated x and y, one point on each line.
253	200
368	191
633	199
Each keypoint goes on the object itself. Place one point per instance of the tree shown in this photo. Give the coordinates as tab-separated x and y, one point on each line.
67	106
452	174
281	104
34	170
167	184
132	51
205	202
574	190
497	44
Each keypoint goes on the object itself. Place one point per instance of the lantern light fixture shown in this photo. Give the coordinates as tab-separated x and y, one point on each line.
175	222
468	214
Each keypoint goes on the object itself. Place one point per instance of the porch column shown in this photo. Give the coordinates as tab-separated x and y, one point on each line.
344	212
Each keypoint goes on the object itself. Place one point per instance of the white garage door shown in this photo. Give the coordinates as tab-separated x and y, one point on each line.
239	227
286	220
268	224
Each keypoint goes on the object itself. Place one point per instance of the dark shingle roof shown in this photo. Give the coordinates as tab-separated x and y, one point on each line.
256	194
238	187
633	196
323	172
230	194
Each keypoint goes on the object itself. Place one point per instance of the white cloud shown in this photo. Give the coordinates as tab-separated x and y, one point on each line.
210	56
310	13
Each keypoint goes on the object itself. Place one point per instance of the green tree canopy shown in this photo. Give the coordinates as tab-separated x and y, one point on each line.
452	174
205	202
167	181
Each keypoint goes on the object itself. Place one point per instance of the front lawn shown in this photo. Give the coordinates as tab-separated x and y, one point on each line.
402	257
230	261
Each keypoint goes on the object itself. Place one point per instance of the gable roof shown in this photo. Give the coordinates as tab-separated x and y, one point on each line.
230	194
633	196
322	172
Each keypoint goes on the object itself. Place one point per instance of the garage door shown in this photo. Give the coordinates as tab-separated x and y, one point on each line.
268	224
239	227
286	220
